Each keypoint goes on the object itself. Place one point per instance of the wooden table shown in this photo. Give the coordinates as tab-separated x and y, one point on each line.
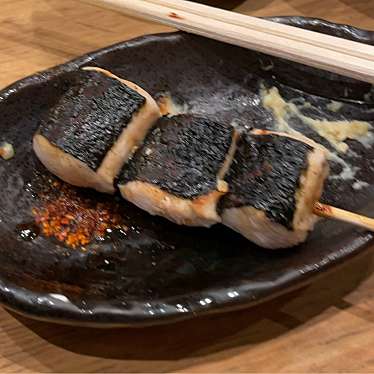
327	327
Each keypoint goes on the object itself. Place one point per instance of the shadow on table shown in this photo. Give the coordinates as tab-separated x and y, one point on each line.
224	4
228	333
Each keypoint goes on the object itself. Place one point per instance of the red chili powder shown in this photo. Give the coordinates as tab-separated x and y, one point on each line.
73	219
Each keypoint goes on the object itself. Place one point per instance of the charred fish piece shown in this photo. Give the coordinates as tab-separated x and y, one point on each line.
274	180
94	127
178	172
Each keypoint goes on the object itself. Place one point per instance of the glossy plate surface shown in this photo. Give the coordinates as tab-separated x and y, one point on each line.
159	272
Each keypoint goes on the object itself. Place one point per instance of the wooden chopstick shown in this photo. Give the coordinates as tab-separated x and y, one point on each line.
352	59
293	33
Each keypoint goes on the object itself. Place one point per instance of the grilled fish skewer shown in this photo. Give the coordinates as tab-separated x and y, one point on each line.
100	120
94	128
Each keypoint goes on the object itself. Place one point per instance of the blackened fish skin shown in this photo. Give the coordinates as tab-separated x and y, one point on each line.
181	155
90	116
265	174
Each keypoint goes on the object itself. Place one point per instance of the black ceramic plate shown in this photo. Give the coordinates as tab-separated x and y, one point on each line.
159	272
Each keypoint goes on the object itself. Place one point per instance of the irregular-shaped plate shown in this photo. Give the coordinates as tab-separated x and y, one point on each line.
159	272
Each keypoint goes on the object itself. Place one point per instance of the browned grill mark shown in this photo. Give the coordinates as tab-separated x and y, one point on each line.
175	15
324	209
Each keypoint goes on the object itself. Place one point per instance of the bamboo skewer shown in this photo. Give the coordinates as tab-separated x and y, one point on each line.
344	57
328	211
352	59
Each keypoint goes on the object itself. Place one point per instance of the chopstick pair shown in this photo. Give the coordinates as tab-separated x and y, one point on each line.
344	57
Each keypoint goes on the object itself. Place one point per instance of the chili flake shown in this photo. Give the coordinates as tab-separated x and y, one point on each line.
73	219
